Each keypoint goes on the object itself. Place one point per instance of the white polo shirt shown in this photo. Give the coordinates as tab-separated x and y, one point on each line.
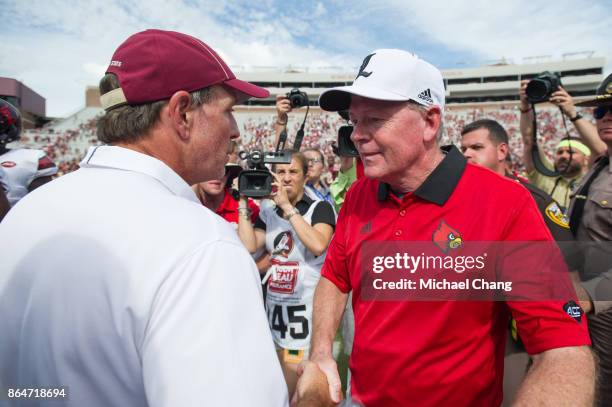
117	283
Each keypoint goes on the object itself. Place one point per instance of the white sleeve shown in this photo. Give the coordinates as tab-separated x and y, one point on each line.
208	341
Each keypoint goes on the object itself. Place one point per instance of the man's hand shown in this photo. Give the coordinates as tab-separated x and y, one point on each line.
563	99
523	95
330	369
312	387
283	107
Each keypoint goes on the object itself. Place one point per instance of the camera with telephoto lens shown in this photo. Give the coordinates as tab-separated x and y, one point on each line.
256	182
542	86
297	98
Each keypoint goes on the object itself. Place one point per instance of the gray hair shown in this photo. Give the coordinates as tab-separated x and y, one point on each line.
423	110
131	123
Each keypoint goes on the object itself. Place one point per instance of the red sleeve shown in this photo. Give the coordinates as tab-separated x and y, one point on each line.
539	269
44	163
254	210
335	268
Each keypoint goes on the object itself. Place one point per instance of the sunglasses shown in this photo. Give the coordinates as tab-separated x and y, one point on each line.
600	111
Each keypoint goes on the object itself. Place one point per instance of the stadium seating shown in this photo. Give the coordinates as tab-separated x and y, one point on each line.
67	140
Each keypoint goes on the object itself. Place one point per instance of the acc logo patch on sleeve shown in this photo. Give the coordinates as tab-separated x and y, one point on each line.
573	310
554	213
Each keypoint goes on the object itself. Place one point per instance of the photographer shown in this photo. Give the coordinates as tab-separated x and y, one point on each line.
218	195
296	232
315	186
283	107
571	157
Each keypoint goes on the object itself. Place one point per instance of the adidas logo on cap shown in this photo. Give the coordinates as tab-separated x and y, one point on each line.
426	96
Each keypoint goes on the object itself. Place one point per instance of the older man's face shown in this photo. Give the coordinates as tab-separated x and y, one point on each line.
388	136
213	129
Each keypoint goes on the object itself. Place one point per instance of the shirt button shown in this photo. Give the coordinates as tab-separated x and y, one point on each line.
398	233
403	212
604	202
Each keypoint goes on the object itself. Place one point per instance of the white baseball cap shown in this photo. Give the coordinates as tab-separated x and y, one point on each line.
390	74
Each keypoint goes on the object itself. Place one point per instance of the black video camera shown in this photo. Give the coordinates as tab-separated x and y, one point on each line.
256	182
297	98
542	86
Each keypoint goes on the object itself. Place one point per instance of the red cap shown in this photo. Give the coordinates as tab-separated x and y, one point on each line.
154	64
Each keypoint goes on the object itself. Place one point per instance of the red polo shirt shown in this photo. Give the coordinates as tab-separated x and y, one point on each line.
440	353
228	209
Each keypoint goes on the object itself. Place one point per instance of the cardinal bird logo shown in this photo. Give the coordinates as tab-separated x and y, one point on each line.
447	238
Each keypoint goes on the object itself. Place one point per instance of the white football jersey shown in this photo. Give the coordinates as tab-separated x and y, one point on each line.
292	283
21	167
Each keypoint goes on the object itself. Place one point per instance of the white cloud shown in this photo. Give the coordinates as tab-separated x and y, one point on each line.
96	70
513	29
59	47
320	10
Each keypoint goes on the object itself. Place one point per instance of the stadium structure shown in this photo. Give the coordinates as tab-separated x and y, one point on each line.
30	103
493	83
471	93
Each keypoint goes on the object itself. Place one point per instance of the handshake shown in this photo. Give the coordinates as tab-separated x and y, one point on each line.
312	388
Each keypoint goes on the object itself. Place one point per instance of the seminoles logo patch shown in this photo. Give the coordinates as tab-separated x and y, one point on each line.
283	244
447	238
573	310
8	164
284	277
554	213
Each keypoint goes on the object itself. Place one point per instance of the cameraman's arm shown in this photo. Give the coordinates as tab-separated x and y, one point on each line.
586	129
253	239
283	107
526	126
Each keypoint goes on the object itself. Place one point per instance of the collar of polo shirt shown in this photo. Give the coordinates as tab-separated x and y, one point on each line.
441	183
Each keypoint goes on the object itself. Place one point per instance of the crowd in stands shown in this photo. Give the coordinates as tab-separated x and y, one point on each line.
67	147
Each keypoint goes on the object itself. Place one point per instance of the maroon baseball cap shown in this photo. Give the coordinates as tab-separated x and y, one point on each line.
154	64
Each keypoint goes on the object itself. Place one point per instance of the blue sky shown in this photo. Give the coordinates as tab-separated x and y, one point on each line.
59	47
